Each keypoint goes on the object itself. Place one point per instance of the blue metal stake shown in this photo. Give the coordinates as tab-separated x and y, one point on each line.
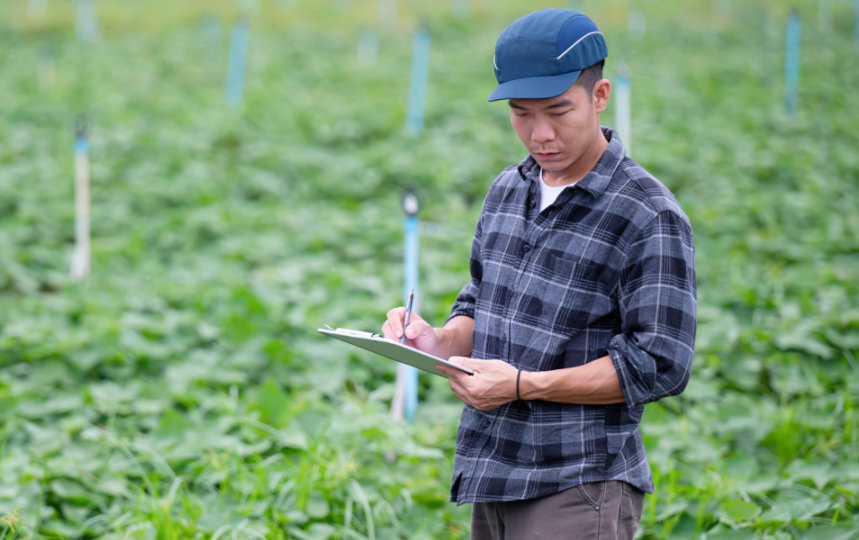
622	107
411	266
857	24
791	63
239	38
418	85
406	396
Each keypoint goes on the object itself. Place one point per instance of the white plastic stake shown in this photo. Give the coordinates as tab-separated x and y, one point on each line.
36	8
824	13
368	47
45	70
210	28
81	256
461	8
722	8
87	25
636	23
388	12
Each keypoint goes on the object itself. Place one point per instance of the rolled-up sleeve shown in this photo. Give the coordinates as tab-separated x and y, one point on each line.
657	300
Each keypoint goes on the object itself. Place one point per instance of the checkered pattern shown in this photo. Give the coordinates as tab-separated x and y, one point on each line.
607	269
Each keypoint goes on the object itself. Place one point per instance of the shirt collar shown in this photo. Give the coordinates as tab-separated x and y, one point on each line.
596	181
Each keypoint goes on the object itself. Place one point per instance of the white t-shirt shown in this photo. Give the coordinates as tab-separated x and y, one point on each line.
548	193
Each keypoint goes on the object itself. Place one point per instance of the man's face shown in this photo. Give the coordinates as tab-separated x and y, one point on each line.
562	133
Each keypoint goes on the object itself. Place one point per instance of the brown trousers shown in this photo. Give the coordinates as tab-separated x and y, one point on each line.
599	511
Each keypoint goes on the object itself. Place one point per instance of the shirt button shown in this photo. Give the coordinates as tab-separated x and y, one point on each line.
486	423
526	248
533	203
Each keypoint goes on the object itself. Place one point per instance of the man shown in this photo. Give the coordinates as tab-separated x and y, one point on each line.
580	308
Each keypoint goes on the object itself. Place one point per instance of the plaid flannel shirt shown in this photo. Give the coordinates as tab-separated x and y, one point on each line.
608	268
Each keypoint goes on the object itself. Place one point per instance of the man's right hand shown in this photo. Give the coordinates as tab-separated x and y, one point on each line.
453	339
419	334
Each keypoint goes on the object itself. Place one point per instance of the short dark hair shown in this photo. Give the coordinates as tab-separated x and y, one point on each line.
590	75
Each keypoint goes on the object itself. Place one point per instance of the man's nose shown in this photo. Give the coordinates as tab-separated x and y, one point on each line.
542	130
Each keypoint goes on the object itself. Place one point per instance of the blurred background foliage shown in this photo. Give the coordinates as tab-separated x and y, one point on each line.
180	390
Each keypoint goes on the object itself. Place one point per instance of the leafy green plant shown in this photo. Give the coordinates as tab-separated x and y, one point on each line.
180	391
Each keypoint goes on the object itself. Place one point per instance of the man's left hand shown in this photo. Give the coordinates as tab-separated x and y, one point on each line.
492	385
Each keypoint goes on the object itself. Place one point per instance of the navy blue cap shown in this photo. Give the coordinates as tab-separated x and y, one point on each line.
541	55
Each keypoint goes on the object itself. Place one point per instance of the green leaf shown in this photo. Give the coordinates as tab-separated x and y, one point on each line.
69	490
795	506
273	403
840	531
63	529
819	472
736	511
173	425
317	505
316	531
57	404
803	340
724	533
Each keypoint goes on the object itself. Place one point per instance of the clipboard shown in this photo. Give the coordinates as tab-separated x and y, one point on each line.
392	349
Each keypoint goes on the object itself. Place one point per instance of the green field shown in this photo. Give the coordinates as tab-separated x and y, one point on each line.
180	390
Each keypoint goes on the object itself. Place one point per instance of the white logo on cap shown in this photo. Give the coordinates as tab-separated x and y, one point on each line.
576	43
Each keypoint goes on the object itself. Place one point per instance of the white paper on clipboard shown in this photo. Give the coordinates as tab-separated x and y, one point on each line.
392	349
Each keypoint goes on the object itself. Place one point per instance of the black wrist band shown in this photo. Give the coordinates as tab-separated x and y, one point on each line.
518	374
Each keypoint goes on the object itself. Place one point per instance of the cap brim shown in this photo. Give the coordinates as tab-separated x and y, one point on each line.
535	87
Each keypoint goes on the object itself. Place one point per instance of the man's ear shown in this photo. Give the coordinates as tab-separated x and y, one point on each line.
601	93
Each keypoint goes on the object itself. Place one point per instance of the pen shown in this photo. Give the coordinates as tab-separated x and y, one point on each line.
408	313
